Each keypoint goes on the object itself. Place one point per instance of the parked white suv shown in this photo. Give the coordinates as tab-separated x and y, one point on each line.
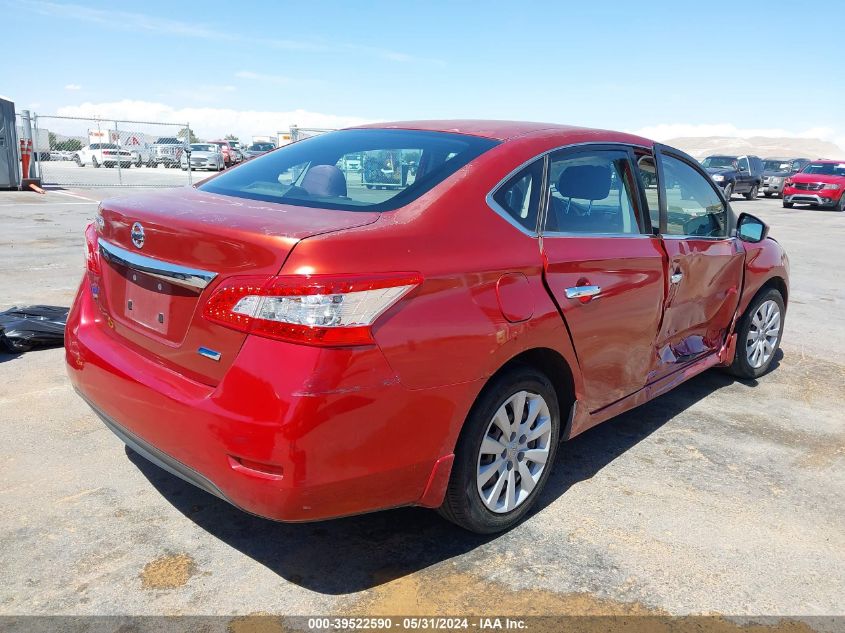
108	154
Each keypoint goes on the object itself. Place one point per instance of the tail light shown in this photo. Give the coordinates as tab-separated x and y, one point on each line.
92	250
309	309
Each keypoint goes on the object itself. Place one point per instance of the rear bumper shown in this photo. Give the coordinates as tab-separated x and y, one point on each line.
291	435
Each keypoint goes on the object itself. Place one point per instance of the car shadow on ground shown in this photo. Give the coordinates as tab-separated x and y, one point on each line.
6	356
353	554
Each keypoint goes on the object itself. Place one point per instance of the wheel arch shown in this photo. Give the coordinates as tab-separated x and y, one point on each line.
555	367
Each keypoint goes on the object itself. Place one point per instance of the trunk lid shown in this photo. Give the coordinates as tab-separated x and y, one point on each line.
186	243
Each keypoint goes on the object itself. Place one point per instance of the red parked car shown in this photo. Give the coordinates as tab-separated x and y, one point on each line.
229	154
821	183
305	347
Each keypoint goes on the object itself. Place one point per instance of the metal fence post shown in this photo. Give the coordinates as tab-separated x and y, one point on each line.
119	172
188	157
36	162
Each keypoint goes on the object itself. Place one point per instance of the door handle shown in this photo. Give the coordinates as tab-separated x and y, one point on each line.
582	292
676	277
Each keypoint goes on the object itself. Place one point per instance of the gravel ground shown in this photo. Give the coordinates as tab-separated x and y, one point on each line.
721	497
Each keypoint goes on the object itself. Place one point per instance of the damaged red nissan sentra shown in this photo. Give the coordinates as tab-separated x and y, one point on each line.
414	313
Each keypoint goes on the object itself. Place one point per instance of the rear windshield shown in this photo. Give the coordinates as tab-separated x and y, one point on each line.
352	170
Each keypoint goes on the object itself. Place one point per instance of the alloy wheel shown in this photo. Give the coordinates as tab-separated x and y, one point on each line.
514	452
763	334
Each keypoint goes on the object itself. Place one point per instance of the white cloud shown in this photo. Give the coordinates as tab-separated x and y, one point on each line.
73	87
208	122
666	131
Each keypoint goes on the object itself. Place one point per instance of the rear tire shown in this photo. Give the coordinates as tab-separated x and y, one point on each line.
517	475
78	161
752	195
841	205
758	335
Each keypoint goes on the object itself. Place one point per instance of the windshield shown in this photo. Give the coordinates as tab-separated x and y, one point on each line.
776	165
825	169
719	162
168	141
393	168
202	147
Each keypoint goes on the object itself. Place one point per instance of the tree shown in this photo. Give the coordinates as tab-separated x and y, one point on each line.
187	134
52	138
230	137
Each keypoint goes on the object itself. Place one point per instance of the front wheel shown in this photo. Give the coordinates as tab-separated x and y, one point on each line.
841	205
758	336
752	195
78	161
767	194
729	189
94	162
787	205
505	452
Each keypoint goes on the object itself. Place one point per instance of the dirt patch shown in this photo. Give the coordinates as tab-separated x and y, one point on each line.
459	593
168	572
465	595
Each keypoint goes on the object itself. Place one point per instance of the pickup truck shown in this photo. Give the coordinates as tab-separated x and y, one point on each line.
166	151
736	174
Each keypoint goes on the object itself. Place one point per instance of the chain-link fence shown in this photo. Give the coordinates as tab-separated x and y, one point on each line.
83	152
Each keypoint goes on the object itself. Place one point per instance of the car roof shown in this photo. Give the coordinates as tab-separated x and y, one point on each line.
507	130
827	161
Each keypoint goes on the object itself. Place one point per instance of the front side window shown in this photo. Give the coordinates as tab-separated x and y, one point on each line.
519	197
352	170
693	206
591	193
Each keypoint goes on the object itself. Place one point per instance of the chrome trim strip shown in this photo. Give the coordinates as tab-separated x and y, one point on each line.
630	236
192	278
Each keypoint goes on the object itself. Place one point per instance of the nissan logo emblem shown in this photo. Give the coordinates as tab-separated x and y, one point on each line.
137	235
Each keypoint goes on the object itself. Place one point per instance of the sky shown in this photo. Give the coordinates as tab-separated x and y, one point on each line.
659	68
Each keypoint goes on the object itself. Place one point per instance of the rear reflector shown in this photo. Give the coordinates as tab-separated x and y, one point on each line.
310	309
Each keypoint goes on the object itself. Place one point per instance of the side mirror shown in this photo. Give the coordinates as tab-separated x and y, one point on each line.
742	168
751	229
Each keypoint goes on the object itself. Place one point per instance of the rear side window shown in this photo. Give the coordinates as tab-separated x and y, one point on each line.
519	197
352	170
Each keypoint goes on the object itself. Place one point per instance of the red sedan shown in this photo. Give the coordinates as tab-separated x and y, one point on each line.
821	183
308	341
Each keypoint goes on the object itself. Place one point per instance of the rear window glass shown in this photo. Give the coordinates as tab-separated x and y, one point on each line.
352	170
